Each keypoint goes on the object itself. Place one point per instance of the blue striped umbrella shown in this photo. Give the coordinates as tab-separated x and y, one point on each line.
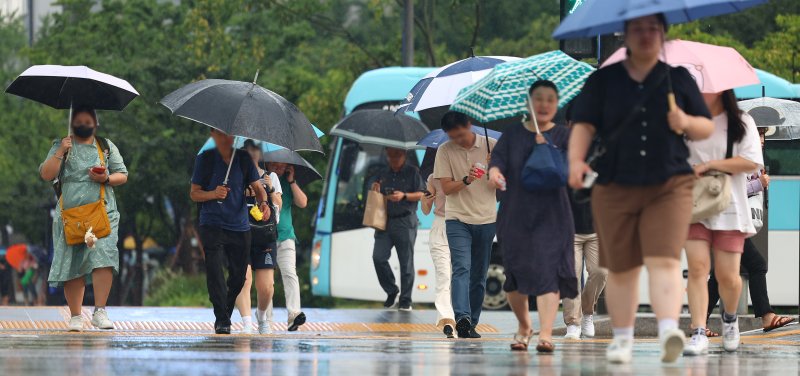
503	93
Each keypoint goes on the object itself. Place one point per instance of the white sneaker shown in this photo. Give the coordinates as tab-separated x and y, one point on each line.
76	323
698	345
730	335
672	343
100	319
587	326
264	327
573	332
620	351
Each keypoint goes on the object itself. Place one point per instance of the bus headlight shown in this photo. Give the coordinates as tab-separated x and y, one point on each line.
316	254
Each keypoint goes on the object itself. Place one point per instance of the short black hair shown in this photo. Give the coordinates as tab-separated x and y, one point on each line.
661	18
543	83
452	120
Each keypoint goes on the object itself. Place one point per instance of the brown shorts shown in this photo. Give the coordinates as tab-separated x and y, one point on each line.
633	222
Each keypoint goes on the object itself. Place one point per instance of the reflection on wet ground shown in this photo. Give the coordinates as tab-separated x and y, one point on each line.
129	354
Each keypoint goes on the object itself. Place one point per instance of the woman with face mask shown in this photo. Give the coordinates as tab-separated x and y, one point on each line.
84	177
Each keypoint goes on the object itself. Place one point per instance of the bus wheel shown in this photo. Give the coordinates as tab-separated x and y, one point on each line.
495	298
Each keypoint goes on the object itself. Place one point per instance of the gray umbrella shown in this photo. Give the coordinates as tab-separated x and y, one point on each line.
244	109
383	128
780	115
304	172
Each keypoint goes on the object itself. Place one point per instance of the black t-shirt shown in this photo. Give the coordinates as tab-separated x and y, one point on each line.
406	180
647	152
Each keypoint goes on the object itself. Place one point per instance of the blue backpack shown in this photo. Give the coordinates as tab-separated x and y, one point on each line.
545	169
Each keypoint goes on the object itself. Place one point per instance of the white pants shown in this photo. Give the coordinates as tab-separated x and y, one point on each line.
440	253
287	263
586	250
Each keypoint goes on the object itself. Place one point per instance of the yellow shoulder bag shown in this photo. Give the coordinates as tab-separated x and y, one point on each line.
79	219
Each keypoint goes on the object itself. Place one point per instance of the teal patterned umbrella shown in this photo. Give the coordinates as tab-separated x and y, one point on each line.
503	93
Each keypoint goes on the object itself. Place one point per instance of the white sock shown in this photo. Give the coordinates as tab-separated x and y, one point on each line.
247	321
626	333
261	315
666	324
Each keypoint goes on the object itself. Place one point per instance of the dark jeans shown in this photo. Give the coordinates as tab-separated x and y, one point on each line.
470	253
756	268
400	234
218	245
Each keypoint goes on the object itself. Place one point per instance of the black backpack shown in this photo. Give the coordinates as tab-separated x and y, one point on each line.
57	183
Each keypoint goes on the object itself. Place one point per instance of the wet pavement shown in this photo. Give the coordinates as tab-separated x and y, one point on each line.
405	347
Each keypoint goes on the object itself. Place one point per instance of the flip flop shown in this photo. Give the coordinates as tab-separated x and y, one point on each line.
521	342
778	322
545	347
711	334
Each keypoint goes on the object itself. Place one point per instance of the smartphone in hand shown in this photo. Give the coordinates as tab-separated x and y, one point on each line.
98	170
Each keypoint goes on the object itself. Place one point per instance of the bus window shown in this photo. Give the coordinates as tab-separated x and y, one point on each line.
782	157
358	166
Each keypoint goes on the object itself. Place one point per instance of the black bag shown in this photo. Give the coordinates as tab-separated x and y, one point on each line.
57	183
263	233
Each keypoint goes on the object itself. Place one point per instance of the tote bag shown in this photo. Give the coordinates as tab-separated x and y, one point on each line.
756	204
545	168
375	211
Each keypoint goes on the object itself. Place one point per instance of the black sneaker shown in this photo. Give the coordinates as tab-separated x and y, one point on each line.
463	327
222	328
297	322
448	331
390	301
474	334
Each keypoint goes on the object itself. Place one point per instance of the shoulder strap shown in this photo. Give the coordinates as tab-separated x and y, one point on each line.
635	110
207	170
729	146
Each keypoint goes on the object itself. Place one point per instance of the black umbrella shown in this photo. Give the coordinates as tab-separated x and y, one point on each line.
426	167
63	87
383	128
244	109
304	172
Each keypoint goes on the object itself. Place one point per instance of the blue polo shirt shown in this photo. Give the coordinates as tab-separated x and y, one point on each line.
209	173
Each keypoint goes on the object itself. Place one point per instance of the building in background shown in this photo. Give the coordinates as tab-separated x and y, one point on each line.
32	12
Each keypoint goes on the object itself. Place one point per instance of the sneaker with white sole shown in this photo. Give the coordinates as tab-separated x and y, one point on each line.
100	319
247	328
620	351
573	332
76	323
587	326
264	327
730	335
698	344
672	344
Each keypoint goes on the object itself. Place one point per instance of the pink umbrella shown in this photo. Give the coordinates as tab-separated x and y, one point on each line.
715	68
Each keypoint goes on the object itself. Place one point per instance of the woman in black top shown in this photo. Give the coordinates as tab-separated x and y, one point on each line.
642	202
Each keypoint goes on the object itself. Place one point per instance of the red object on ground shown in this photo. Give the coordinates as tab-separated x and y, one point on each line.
15	254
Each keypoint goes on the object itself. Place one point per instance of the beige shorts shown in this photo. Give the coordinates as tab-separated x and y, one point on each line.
634	222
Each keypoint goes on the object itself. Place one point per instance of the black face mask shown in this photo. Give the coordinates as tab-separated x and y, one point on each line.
83	130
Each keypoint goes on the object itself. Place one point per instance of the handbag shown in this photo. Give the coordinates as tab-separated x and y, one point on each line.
78	220
712	192
263	233
756	204
375	211
545	169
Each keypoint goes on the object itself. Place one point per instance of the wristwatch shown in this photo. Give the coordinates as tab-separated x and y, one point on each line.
464	180
292	182
405	196
271	190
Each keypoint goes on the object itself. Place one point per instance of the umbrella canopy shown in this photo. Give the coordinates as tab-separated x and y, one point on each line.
595	18
714	68
772	112
383	128
304	172
440	87
238	142
437	136
244	109
15	254
503	93
63	87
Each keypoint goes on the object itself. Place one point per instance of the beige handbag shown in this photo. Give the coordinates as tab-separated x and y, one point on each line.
375	211
711	195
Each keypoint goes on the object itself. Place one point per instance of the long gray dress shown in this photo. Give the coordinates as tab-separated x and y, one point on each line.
535	229
70	262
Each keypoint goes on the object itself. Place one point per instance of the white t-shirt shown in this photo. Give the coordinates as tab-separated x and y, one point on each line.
737	216
276	183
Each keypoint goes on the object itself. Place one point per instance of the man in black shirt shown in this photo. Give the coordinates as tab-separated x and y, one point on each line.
402	187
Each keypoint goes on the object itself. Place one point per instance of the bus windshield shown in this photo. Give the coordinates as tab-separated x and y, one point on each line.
359	165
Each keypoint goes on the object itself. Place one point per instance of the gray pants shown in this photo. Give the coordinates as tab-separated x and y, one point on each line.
400	234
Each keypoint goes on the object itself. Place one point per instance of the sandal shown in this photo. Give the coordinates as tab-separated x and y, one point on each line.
711	334
778	322
545	347
521	342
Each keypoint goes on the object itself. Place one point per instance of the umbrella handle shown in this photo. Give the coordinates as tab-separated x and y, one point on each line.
673	106
227	174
